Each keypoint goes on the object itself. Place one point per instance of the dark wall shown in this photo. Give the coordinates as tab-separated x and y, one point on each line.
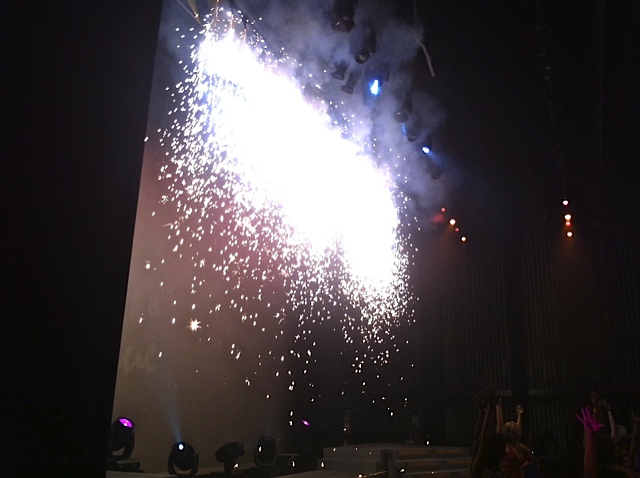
77	78
548	114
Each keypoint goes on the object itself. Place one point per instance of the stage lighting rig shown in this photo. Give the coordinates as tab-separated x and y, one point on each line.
375	77
122	438
367	46
405	106
434	167
348	87
342	15
341	70
426	147
412	128
184	457
265	454
228	454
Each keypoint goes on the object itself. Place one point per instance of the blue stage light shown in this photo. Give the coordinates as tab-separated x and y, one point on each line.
374	88
426	145
184	457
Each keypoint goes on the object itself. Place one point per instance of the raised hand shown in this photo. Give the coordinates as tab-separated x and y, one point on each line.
491	398
589	421
479	401
596	401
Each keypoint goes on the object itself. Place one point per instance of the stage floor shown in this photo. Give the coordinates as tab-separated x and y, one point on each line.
355	461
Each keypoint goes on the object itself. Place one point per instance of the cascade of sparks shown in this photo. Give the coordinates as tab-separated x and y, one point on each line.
272	197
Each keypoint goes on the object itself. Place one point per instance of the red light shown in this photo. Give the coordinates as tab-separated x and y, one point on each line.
568	223
457	229
444	209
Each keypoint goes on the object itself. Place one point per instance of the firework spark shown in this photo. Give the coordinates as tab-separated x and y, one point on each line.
269	194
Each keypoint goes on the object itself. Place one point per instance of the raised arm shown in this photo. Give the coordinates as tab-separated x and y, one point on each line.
612	421
519	412
597	407
635	436
480	460
480	402
591	426
499	416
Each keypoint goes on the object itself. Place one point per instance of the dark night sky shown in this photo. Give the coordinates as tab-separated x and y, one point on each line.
71	169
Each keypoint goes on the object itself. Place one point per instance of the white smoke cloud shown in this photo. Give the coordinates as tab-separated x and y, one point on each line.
302	30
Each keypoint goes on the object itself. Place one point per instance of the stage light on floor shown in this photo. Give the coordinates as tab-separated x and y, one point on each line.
122	437
228	454
184	457
265	453
121	444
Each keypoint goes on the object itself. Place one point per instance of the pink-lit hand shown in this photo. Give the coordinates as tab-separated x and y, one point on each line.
589	421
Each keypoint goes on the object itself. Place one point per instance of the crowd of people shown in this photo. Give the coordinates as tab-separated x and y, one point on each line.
499	450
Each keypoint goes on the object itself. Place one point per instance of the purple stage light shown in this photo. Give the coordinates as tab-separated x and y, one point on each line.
125	422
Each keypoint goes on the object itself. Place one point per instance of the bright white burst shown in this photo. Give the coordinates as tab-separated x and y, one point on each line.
269	194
